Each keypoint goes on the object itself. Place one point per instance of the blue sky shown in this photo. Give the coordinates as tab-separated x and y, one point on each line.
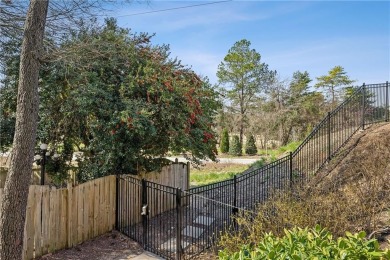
290	35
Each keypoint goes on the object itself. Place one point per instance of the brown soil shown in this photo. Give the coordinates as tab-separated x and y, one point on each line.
110	246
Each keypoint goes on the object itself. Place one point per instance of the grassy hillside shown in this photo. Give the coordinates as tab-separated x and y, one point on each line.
352	193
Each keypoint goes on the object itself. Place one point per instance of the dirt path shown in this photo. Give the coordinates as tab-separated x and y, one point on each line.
110	246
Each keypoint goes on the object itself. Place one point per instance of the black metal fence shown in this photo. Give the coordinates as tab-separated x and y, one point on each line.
180	224
169	222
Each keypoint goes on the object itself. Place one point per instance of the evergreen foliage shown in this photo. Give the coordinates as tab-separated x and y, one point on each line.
224	141
120	100
336	78
235	147
250	147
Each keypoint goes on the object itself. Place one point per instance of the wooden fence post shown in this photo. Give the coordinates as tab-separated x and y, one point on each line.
69	221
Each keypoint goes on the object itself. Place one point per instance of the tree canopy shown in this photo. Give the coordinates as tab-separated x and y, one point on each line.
336	78
123	102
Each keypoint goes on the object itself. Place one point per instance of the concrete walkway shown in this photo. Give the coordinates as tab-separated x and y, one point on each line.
221	160
192	232
144	256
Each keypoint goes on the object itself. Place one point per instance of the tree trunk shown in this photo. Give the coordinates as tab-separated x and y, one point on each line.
241	129
286	135
13	207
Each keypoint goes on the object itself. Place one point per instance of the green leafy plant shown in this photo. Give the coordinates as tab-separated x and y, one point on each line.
224	146
250	147
235	147
124	106
258	164
314	243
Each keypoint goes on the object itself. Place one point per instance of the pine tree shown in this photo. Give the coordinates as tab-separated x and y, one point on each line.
245	77
250	146
235	147
224	141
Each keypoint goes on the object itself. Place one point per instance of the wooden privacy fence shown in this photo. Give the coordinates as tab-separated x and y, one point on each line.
174	175
61	218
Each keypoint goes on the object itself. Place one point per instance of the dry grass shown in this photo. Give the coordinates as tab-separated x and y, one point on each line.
351	194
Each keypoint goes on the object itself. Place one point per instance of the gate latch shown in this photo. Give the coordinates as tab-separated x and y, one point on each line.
144	211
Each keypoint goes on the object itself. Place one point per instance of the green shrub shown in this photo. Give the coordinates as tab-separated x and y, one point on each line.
316	243
250	147
235	147
258	164
290	147
224	141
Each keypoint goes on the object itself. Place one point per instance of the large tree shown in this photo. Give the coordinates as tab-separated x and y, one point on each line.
123	102
332	82
245	77
14	202
290	109
26	42
303	107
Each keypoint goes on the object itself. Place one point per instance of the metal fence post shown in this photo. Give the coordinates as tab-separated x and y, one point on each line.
178	224
188	175
363	103
329	139
234	209
144	213
291	171
387	101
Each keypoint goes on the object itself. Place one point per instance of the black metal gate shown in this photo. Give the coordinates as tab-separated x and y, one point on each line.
169	222
149	213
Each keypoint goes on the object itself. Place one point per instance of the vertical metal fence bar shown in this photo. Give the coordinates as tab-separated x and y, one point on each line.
291	170
151	207
178	223
138	230
235	209
144	215
387	101
328	135
363	103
